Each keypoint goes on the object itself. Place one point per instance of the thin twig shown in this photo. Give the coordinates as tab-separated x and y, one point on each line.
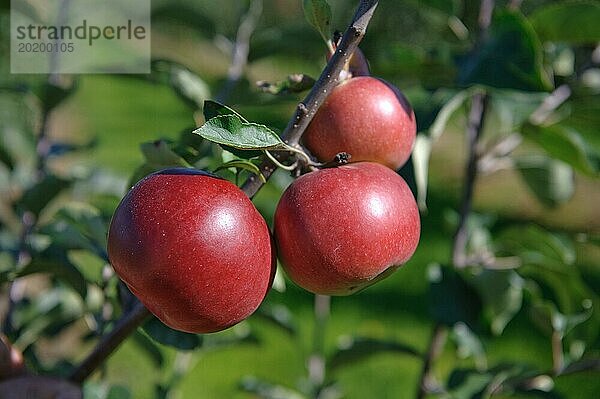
123	328
515	4
474	129
329	78
241	49
436	345
558	358
316	361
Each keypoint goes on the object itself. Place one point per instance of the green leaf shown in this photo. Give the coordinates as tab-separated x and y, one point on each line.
55	261
502	295
267	390
149	347
355	349
510	57
563	143
103	390
511	108
552	182
278	315
574	22
548	318
296	83
189	86
165	335
584	117
212	109
37	197
243	165
229	130
452	299
318	14
159	154
468	384
469	345
51	95
536	246
420	159
447	112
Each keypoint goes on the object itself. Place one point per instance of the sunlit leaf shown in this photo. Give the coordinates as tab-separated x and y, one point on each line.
447	112
189	86
229	130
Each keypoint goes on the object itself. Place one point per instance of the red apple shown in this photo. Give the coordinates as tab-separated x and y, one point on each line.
193	249
340	230
366	117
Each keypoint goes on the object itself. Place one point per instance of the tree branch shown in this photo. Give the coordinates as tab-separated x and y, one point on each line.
298	123
474	129
459	257
241	48
329	78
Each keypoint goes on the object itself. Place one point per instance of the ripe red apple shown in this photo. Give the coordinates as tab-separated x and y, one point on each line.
367	118
193	248
340	230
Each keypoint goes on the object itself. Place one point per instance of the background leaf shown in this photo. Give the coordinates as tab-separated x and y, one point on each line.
568	21
510	57
502	295
563	143
552	182
165	335
318	14
452	300
355	349
212	109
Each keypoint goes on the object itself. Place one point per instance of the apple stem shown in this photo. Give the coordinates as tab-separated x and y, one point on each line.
126	325
329	78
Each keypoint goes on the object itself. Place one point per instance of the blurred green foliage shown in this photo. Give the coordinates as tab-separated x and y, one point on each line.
70	147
